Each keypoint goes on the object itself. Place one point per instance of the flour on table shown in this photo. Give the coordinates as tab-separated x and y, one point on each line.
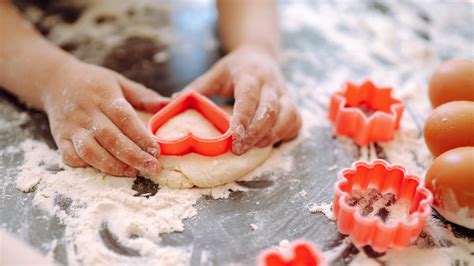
101	212
198	170
17	120
302	193
284	244
325	208
89	202
377	41
372	203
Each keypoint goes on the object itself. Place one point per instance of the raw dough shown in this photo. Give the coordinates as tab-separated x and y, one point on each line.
188	121
197	170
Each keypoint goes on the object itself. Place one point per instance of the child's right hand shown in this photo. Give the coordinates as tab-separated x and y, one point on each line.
92	119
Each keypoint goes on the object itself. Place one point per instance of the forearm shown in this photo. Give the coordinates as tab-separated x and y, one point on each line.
27	60
249	23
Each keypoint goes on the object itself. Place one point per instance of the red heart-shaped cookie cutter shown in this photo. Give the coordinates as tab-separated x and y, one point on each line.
304	254
192	143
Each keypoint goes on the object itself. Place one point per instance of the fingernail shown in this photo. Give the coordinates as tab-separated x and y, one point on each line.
153	151
239	147
129	171
236	146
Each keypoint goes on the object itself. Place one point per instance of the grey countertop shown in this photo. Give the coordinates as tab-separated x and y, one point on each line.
277	207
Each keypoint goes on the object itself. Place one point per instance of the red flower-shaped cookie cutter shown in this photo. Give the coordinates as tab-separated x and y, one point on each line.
190	142
304	254
349	120
385	178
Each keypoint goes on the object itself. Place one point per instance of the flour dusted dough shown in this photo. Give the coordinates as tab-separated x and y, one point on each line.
188	121
197	170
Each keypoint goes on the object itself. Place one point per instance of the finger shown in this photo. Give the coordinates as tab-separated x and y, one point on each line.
122	148
95	155
69	155
247	95
141	97
265	141
290	123
211	82
121	113
264	118
293	131
287	125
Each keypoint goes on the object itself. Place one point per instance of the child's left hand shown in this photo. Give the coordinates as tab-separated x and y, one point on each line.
263	111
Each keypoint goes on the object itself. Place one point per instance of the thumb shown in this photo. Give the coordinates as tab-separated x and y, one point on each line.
140	97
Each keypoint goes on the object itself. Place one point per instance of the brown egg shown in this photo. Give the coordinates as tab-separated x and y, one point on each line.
449	126
452	81
451	180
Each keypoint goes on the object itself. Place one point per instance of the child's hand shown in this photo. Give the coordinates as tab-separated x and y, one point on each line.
93	122
263	112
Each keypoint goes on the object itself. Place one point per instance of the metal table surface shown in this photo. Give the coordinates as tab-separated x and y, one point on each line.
276	207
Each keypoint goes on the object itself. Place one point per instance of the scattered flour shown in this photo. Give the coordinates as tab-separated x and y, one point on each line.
439	246
206	257
302	193
254	227
18	119
387	50
280	159
98	39
10	150
284	244
373	203
89	202
103	218
333	253
325	208
96	198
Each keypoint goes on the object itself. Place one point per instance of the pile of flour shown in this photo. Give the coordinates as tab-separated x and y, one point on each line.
97	208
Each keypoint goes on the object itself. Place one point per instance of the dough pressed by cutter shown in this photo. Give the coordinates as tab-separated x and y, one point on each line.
198	170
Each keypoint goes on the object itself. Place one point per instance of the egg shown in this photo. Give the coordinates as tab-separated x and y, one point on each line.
452	81
451	180
449	126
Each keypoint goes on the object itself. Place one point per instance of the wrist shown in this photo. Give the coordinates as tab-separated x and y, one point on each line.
261	49
56	70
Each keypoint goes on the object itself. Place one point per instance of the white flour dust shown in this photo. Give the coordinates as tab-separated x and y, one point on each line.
103	218
386	206
343	41
325	208
387	49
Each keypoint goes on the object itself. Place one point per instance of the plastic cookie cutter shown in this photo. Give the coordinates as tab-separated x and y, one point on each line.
192	143
384	178
350	120
304	253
